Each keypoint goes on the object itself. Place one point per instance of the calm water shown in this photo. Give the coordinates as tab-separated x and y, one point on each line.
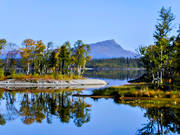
55	113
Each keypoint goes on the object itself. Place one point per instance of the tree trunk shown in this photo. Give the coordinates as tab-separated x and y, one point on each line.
28	68
161	78
161	66
62	66
79	70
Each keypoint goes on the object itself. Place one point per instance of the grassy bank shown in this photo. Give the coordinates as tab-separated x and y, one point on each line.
137	90
42	77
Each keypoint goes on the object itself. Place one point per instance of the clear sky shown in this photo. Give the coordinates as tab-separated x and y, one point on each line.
129	22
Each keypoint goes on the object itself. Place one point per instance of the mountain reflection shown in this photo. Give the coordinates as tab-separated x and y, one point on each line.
36	107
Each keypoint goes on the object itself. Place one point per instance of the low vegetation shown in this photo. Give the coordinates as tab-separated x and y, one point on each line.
45	77
142	91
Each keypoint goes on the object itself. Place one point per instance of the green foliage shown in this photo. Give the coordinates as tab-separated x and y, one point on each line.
1	73
18	76
80	56
2	43
64	57
162	58
122	63
176	60
164	25
36	58
13	74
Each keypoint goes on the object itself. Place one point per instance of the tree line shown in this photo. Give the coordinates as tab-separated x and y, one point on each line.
115	74
162	59
122	63
38	58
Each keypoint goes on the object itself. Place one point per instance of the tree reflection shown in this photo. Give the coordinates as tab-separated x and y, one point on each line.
81	115
2	120
36	107
161	121
163	117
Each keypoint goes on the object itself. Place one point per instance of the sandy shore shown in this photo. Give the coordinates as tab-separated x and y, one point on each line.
80	83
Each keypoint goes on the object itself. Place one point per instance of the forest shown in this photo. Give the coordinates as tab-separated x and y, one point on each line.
38	59
162	59
121	63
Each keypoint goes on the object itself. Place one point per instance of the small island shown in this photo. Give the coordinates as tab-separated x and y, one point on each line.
38	65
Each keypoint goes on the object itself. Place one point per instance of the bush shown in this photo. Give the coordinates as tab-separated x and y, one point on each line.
13	74
18	76
1	73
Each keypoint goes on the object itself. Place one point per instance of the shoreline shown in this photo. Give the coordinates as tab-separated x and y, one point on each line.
57	84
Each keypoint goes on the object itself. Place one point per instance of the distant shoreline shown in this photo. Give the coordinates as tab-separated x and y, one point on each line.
116	69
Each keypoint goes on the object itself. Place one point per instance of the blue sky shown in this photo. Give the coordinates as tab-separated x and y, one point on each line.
129	22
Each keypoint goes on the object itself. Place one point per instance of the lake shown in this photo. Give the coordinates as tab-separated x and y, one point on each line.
30	112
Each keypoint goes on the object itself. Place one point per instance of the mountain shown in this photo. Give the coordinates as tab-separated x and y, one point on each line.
109	49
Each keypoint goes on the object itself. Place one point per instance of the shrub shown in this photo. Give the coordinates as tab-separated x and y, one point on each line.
13	74
1	73
18	76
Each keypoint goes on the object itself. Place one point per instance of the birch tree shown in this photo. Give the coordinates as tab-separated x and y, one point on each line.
80	56
26	54
162	40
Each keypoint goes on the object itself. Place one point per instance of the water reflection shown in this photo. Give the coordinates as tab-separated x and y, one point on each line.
163	117
161	121
36	107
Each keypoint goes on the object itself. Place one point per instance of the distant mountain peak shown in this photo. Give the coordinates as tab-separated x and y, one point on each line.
109	49
110	41
107	43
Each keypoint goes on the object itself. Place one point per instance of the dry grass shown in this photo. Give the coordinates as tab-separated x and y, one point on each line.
137	90
43	77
